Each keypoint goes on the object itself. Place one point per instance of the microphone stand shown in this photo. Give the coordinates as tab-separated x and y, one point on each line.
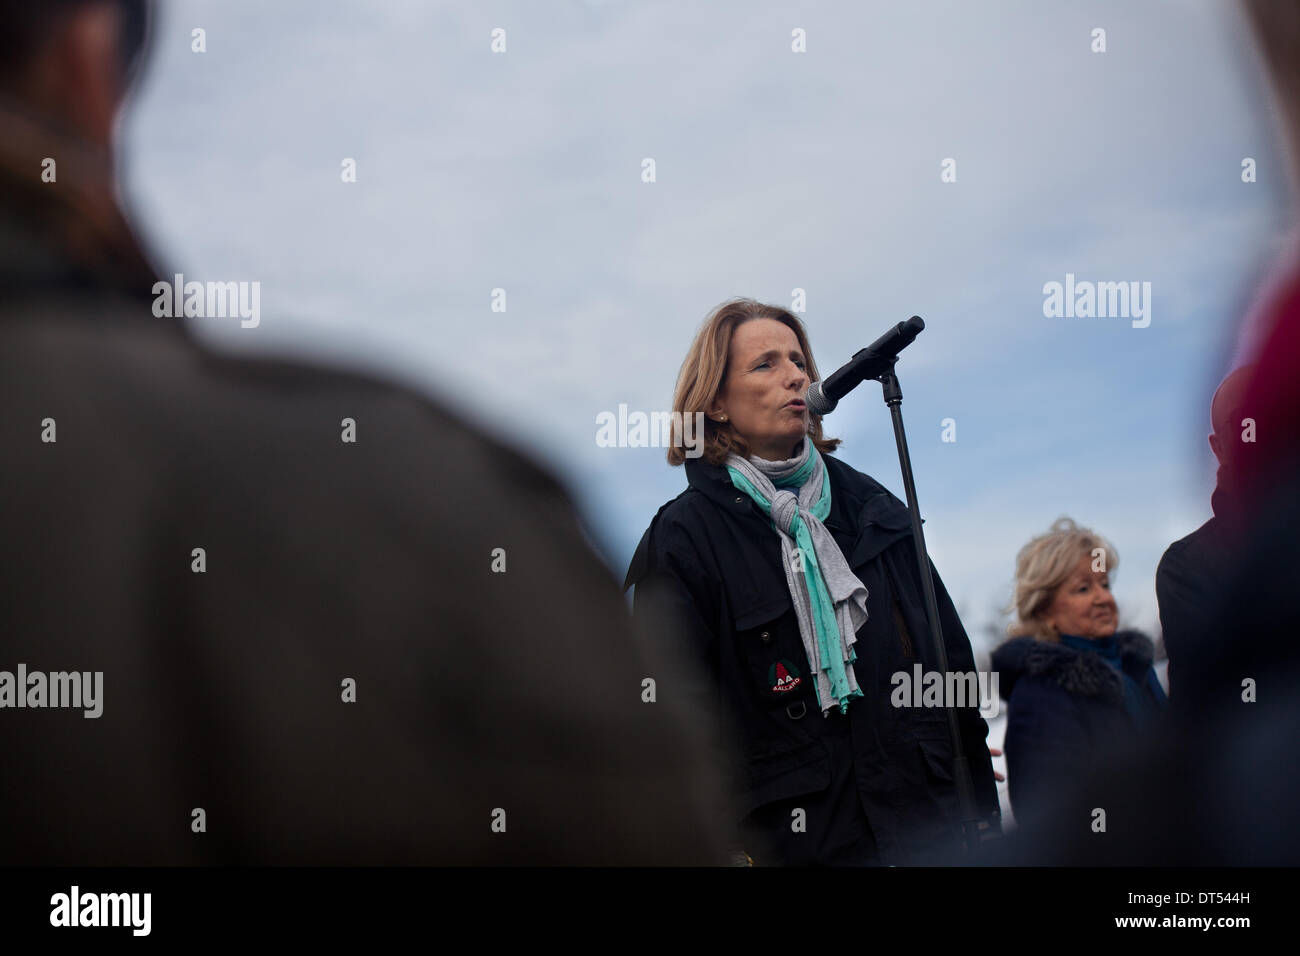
893	396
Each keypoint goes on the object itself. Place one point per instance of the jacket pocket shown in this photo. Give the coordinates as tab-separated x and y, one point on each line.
774	658
772	608
930	725
929	814
928	747
785	772
938	759
882	522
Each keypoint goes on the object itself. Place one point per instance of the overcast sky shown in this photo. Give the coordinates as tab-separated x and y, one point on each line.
775	170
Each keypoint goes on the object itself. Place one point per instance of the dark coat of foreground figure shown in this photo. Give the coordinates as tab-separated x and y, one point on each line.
875	784
479	696
1188	576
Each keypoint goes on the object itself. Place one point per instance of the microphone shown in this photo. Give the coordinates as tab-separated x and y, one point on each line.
871	362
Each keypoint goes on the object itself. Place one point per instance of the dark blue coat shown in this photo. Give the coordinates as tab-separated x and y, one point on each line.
876	783
1189	587
1066	715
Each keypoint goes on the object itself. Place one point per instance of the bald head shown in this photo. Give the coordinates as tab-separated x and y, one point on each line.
1227	409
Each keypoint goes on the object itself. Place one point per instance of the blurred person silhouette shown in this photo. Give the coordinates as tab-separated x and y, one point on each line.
1074	683
307	656
1191	569
1220	785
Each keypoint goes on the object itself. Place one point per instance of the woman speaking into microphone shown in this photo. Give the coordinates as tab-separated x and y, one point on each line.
792	581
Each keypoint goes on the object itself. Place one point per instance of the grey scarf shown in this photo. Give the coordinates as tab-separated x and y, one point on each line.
796	517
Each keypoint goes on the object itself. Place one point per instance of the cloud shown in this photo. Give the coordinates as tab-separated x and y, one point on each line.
776	170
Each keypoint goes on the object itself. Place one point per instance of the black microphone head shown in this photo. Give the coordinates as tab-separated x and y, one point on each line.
911	329
818	403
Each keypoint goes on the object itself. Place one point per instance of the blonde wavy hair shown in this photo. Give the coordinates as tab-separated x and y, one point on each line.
1043	565
705	369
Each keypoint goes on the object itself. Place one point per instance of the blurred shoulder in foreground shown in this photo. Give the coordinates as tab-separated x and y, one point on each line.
260	612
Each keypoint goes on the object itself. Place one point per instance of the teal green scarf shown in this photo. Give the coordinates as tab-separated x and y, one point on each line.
829	601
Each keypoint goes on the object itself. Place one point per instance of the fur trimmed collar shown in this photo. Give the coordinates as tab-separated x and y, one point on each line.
1076	672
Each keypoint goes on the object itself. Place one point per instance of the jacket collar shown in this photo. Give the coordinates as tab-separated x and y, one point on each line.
1076	672
714	482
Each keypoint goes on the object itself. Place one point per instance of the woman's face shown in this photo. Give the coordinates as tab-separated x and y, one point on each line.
762	395
1083	605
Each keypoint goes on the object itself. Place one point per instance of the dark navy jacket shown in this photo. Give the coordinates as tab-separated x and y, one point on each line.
708	570
1066	716
1189	586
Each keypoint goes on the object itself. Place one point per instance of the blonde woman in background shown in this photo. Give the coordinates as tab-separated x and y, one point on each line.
1076	685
